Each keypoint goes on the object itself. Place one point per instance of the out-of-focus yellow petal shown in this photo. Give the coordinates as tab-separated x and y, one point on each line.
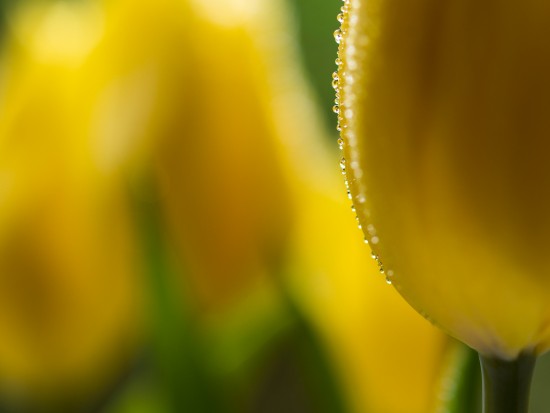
70	291
221	180
445	115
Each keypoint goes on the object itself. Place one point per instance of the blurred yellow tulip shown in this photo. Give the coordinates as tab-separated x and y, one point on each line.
93	87
70	290
444	111
221	180
172	86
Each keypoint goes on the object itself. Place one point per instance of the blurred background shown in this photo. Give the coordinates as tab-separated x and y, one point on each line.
175	234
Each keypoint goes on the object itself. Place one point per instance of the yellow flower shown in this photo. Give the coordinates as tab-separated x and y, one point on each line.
222	184
70	291
444	111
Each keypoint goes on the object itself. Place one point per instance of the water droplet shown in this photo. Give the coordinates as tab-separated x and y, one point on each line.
338	36
389	273
340	17
353	208
338	61
375	240
335	84
366	241
340	140
349	193
373	255
336	109
388	281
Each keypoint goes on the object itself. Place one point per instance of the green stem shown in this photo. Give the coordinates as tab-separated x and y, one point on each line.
506	384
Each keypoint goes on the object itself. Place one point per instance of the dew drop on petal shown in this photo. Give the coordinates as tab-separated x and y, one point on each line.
338	36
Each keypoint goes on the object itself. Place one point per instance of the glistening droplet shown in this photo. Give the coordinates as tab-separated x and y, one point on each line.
338	36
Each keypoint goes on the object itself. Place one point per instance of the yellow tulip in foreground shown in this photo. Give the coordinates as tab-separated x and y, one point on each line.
444	111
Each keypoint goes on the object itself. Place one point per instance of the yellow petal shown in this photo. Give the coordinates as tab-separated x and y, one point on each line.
445	115
222	184
70	291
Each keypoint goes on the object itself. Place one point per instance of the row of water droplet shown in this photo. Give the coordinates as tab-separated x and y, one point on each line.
342	125
339	38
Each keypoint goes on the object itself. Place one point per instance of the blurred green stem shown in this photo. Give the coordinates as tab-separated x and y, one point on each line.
506	383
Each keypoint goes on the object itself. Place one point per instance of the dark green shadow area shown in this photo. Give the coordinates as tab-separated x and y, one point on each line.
4	7
292	370
540	388
316	25
177	351
299	377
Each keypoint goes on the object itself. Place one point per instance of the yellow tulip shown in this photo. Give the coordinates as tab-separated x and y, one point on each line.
108	84
70	296
444	110
222	185
173	81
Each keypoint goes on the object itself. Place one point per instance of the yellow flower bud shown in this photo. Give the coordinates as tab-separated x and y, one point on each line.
70	291
222	186
444	110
